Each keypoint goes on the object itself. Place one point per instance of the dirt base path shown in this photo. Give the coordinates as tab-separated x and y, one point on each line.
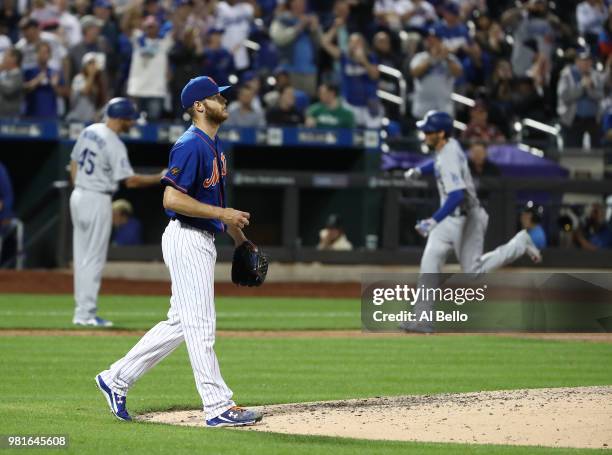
578	417
593	337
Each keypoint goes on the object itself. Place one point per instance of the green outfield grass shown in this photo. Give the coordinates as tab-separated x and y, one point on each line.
47	382
132	312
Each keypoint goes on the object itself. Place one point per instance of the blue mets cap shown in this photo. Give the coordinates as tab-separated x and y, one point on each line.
199	88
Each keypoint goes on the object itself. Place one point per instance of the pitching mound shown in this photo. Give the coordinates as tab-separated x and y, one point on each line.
578	417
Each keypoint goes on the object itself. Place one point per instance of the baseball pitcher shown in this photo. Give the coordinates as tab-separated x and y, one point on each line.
194	199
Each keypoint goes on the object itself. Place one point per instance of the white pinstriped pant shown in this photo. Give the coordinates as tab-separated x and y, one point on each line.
190	256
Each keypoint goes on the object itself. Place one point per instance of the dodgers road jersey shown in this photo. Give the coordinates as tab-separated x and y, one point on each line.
452	173
197	168
102	159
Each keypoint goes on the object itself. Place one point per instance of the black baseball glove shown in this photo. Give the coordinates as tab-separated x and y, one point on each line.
249	266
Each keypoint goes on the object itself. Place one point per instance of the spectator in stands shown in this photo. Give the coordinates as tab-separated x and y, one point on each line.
359	77
329	112
452	30
479	163
92	41
282	80
185	57
494	42
88	93
218	62
479	127
296	34
285	114
130	22
383	49
103	11
127	229
42	11
531	219
5	40
11	84
434	71
252	80
500	88
390	14
148	79
534	33
242	112
595	233
43	85
605	37
590	17
27	45
69	24
419	15
234	17
580	91
332	236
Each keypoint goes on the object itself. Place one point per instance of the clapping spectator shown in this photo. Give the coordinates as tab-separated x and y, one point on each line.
88	93
296	34
234	17
359	76
242	113
285	114
28	46
148	79
11	84
43	85
434	71
479	127
329	112
580	91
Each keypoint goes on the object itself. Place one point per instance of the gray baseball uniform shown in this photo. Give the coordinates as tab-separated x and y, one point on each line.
102	162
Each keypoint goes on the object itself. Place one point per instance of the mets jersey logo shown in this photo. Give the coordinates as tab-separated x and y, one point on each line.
214	177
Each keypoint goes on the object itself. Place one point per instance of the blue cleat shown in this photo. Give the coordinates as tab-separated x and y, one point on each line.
116	403
235	417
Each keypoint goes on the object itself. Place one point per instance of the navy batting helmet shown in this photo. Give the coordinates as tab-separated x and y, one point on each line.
121	108
435	121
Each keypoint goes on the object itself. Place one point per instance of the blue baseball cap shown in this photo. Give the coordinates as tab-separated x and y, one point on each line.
103	4
199	88
122	108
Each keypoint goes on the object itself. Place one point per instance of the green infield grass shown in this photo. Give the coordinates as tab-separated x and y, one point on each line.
133	312
47	381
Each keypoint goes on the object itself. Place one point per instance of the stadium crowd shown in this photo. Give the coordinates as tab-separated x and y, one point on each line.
316	62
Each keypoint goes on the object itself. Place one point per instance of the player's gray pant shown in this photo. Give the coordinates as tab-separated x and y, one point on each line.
91	214
190	256
463	234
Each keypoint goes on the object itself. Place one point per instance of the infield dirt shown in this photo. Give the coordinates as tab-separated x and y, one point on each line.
578	417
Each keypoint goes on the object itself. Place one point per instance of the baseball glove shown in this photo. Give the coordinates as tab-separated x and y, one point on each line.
249	266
